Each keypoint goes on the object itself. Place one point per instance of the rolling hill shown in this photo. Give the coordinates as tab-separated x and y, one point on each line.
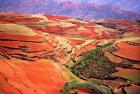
52	54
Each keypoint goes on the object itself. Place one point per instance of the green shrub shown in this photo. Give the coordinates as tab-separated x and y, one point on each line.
94	64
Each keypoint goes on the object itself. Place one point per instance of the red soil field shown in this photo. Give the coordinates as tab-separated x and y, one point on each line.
113	58
8	20
86	48
4	22
21	37
128	51
54	29
27	19
75	42
88	33
5	87
83	33
37	28
72	27
32	77
30	45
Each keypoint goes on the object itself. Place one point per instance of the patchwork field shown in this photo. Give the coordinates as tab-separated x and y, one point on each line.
49	54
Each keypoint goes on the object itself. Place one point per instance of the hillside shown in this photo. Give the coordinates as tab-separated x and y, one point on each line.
51	54
121	9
